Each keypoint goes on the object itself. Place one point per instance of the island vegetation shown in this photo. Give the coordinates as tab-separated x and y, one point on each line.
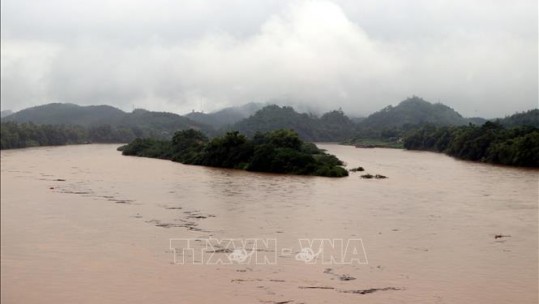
279	151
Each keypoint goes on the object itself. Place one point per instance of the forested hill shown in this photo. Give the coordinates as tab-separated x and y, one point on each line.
491	142
414	111
67	114
226	116
528	118
57	123
332	126
140	123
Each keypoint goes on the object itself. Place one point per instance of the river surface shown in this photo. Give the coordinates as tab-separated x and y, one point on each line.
84	224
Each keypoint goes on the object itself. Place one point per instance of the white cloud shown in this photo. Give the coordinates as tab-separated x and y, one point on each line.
208	54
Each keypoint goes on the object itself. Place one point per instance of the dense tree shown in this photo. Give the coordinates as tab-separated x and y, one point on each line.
528	118
14	135
490	142
332	126
101	120
279	151
22	135
186	146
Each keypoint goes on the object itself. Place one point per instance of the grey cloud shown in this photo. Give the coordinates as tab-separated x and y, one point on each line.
480	58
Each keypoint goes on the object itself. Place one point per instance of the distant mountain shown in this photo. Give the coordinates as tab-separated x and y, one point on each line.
528	118
226	116
5	113
332	126
413	111
387	127
140	123
67	113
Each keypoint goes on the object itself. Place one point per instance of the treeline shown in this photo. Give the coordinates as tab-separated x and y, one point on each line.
491	143
527	118
279	151
22	135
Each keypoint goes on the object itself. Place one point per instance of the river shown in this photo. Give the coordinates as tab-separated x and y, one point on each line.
84	224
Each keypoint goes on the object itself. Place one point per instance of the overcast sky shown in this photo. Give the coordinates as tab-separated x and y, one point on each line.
478	56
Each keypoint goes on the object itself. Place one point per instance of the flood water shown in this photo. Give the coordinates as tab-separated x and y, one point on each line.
84	224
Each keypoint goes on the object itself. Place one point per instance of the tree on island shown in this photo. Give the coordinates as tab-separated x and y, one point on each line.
279	151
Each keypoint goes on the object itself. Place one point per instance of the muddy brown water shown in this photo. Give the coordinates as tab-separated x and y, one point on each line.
84	224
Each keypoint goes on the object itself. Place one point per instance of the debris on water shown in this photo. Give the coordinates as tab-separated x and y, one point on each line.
316	287
197	215
120	201
343	277
358	169
244	270
60	180
187	225
346	277
243	280
76	192
377	176
367	291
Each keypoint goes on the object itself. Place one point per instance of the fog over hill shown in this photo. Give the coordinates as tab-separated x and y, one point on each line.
226	116
479	57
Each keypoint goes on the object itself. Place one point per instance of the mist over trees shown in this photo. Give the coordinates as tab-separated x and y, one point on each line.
331	126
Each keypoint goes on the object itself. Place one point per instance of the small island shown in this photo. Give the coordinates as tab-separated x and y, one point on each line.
279	151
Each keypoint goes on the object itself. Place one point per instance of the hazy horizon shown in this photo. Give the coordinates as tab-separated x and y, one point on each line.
478	58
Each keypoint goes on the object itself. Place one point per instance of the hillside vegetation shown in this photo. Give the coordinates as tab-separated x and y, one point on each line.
33	126
528	118
388	127
225	117
492	143
22	135
413	124
332	126
413	111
